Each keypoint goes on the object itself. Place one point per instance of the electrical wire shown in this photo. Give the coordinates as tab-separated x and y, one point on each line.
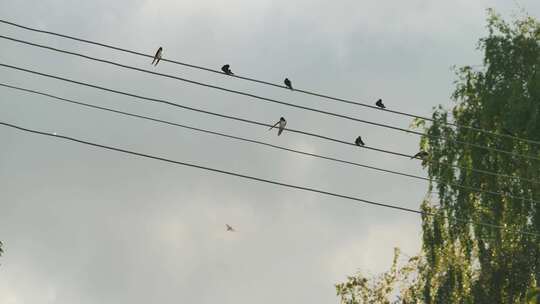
258	179
87	105
255	122
333	114
268	83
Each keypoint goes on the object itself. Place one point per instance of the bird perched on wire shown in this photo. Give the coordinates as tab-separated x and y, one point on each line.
359	141
282	123
288	83
421	155
380	104
227	69
229	228
157	56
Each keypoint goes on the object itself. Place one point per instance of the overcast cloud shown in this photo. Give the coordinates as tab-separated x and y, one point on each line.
83	225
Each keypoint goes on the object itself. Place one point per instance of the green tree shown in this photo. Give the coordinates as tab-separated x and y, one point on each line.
400	281
532	295
463	262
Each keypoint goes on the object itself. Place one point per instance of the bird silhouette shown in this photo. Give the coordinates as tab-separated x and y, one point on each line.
421	155
288	83
157	56
227	69
359	141
282	123
380	104
229	228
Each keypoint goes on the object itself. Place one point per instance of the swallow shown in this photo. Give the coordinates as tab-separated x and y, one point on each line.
288	83
421	155
227	69
282	123
359	141
380	104
229	228
157	56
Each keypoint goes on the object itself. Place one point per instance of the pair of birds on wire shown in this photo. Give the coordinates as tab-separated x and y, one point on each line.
420	155
282	122
227	70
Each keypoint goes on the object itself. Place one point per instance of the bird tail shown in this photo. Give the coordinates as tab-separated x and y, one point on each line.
279	132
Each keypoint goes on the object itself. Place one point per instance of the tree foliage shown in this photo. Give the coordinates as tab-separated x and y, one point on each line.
461	261
400	281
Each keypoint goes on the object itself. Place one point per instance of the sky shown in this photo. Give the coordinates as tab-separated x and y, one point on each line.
85	225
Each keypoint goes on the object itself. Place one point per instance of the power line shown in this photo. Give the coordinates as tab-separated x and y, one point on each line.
268	83
255	122
269	99
79	103
258	179
204	111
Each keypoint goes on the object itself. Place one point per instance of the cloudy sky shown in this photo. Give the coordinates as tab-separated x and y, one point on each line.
83	225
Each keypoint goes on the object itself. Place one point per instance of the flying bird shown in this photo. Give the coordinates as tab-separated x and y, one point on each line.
288	83
421	155
229	228
227	69
380	104
359	141
157	56
282	123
